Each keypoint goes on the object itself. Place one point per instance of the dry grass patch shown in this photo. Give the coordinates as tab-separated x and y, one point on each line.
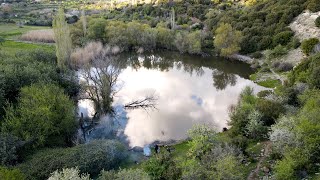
44	36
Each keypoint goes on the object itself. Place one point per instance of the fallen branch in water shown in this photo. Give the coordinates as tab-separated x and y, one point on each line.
148	102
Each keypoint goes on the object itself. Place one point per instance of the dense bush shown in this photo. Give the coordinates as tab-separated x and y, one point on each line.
135	35
71	174
89	158
295	43
276	52
264	93
162	166
11	174
257	55
283	38
270	110
124	174
28	67
298	138
210	157
314	78
313	5
44	116
308	45
8	150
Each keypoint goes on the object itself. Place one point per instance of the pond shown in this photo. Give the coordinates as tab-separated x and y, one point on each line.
189	89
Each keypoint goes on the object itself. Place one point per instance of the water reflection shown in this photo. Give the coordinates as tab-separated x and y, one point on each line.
191	90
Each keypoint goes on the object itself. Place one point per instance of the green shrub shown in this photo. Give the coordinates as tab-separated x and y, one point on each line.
308	45
264	93
8	150
89	158
10	174
277	52
257	55
32	66
314	77
317	22
314	6
124	174
162	166
295	43
69	174
270	110
44	113
283	38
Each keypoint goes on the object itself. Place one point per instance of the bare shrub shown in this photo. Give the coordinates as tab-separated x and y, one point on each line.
275	64
282	67
44	36
92	51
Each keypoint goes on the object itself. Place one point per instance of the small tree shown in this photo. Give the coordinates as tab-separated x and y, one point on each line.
227	40
62	38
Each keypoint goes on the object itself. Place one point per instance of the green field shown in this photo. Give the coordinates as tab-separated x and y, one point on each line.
12	31
12	47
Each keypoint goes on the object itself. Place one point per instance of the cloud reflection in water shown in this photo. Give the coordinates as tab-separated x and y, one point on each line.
184	100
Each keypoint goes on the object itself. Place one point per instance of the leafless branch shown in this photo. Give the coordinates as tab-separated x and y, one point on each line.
149	102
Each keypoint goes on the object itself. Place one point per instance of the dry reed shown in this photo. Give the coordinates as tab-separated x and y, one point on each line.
44	36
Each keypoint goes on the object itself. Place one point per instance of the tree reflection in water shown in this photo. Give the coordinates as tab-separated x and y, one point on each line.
221	79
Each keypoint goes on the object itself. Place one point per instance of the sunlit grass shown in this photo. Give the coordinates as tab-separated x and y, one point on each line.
12	47
12	31
270	83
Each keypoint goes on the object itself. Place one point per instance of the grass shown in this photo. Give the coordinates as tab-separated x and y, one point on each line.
12	47
270	83
253	77
12	31
180	150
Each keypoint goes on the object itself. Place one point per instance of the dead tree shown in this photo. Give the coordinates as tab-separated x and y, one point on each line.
99	79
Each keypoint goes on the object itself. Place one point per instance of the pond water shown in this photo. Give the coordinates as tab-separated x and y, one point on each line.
189	89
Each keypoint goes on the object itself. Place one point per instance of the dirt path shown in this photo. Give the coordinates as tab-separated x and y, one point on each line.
267	149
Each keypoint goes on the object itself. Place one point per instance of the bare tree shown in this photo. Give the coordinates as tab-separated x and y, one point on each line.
99	81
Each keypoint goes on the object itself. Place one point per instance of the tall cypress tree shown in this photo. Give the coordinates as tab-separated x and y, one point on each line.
62	39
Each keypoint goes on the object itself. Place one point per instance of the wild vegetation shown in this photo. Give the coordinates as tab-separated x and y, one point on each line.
40	86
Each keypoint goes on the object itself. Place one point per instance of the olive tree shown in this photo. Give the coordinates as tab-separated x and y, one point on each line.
68	173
